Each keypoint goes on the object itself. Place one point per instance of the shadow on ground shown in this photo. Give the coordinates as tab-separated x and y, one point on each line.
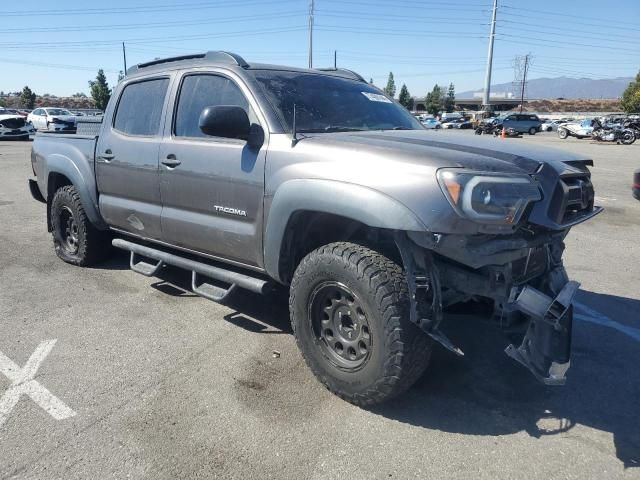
487	393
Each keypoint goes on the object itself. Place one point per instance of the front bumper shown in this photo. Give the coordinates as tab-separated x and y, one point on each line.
17	132
524	278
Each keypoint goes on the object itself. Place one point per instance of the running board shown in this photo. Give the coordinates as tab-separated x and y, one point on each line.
199	287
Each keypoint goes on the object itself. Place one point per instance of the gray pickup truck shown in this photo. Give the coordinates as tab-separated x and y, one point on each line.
252	175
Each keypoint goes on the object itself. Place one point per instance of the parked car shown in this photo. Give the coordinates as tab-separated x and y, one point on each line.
549	125
462	123
521	122
53	120
582	129
325	185
14	126
431	123
12	111
636	184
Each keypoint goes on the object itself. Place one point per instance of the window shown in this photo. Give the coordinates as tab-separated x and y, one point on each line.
38	111
201	91
140	107
533	117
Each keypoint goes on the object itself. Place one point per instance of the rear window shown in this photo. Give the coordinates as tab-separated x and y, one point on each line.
140	107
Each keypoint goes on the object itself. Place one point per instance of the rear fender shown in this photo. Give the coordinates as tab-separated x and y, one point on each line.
82	178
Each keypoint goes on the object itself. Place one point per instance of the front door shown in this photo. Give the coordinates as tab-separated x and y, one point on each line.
212	188
127	159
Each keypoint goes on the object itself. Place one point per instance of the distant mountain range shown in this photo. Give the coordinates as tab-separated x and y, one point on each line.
562	87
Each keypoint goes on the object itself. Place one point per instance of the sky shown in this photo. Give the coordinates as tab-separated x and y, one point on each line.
56	47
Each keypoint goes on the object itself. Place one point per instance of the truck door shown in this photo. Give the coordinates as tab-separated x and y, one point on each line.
127	158
212	188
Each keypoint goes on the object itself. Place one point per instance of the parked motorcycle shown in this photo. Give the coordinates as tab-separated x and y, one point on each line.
618	134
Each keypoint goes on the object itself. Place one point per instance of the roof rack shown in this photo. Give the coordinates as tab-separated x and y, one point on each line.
214	56
344	71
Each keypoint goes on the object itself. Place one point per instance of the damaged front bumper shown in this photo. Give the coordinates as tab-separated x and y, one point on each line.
524	277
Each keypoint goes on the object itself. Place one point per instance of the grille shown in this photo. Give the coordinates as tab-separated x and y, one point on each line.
13	123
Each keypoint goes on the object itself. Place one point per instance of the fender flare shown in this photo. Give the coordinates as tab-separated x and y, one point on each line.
82	178
363	204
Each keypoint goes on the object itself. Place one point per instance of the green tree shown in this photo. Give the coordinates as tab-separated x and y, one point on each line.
405	98
450	99
390	89
27	98
631	97
100	91
435	100
79	95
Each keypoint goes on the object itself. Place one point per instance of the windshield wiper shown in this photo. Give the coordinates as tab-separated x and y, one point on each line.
331	129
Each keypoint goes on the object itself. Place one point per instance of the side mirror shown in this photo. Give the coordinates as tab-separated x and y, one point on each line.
225	121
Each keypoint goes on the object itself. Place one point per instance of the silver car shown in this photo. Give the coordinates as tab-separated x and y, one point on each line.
53	120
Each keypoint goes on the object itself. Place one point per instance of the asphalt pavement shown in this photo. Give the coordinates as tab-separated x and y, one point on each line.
105	373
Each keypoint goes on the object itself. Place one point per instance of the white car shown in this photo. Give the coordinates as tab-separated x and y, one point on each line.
431	123
549	126
581	129
53	120
14	126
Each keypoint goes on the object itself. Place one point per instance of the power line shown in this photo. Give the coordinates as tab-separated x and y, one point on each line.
207	21
143	9
567	15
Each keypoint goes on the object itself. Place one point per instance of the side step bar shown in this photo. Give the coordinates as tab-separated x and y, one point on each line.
207	290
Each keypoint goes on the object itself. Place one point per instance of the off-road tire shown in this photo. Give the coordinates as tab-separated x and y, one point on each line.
400	351
93	245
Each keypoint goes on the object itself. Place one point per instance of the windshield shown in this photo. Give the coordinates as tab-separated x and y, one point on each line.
329	104
58	111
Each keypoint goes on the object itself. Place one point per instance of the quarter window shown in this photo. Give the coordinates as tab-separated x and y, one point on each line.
201	91
140	107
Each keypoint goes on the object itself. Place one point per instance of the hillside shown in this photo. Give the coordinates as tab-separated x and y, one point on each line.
544	106
50	101
564	87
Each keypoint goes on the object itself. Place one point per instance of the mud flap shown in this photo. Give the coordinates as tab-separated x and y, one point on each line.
546	348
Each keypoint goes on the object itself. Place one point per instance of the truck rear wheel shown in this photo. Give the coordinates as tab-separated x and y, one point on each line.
349	309
75	239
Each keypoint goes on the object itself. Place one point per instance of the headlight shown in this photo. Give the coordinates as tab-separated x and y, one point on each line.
488	197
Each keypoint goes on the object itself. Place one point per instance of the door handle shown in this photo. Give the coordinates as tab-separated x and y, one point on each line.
171	161
107	156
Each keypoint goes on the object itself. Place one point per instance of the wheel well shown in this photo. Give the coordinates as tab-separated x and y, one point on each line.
54	182
308	230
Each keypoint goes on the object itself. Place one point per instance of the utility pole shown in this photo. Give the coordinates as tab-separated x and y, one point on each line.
487	77
124	56
524	80
311	12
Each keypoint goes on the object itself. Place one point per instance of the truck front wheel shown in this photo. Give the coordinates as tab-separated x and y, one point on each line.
349	309
75	239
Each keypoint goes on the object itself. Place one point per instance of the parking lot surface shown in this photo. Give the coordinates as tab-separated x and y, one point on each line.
108	374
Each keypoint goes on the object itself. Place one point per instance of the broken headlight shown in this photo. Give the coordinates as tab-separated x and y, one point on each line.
488	197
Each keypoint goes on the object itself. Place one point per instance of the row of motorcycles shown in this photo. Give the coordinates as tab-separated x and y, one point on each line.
625	133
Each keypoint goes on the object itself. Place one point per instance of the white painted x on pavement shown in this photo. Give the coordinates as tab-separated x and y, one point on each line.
23	383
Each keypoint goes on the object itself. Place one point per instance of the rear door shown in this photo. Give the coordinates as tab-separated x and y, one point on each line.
127	158
212	188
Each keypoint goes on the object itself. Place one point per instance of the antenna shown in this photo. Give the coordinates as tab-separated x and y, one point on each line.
294	138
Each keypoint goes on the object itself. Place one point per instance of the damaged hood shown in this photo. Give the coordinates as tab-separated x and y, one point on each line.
450	150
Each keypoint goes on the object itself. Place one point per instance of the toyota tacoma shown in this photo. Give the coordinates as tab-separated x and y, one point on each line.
254	175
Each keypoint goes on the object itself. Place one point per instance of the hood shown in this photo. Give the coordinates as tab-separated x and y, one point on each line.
439	150
9	116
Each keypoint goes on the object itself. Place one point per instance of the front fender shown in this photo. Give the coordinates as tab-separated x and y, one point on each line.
348	200
81	176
